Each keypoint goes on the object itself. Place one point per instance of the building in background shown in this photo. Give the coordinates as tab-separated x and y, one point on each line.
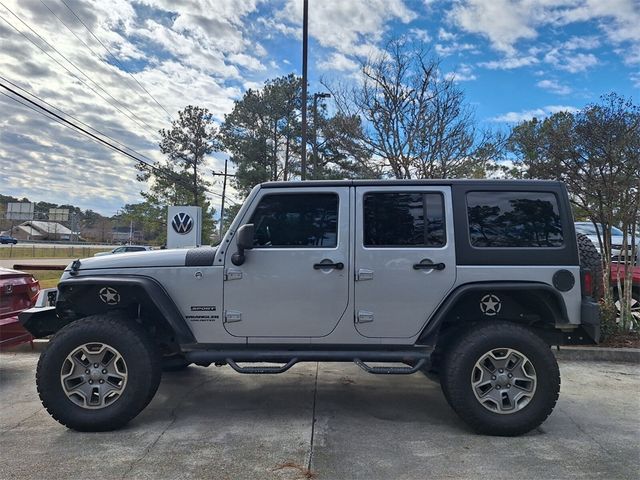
40	230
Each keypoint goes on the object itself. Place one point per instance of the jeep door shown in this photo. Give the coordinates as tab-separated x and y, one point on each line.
404	257
295	280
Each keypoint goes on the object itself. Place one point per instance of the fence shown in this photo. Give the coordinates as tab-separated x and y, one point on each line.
55	251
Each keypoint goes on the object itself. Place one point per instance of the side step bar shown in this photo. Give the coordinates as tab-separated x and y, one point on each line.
391	370
262	370
415	359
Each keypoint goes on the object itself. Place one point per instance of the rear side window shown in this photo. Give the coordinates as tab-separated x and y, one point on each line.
404	219
514	219
296	220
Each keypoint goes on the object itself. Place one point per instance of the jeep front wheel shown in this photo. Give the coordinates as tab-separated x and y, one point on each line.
501	378
98	373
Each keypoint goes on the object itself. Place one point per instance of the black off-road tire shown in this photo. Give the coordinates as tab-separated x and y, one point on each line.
143	362
461	358
591	259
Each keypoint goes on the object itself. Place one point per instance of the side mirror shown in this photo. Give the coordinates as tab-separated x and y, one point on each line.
244	241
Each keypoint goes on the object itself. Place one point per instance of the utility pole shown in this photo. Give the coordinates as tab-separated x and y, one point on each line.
305	40
314	144
224	190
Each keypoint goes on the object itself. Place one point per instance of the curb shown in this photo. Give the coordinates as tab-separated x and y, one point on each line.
598	354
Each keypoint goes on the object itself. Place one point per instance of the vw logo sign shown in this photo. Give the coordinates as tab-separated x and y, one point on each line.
182	223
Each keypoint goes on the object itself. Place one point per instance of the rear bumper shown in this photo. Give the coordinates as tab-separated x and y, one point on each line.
590	318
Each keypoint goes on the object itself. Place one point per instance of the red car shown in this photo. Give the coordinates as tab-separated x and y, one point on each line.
618	271
18	291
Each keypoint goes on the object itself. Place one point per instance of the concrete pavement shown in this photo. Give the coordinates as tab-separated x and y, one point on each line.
214	423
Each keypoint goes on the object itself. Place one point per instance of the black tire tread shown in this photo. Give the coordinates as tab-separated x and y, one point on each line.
454	376
591	259
106	323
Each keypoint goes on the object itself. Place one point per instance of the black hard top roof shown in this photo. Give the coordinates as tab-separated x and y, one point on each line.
457	181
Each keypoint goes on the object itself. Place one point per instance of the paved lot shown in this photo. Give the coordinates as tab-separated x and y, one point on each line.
216	424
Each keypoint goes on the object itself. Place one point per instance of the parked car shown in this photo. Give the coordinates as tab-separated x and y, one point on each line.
618	271
4	239
617	239
468	282
18	291
124	249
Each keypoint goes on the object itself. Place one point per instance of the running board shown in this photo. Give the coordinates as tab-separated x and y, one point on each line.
391	370
415	359
262	370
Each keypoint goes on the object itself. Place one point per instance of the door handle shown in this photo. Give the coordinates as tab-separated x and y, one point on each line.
337	266
428	266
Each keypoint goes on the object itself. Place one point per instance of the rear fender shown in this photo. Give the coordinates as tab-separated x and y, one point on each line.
530	303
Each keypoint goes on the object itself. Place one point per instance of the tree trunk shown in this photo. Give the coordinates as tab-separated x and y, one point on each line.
286	155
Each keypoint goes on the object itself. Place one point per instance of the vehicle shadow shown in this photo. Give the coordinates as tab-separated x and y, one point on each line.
215	395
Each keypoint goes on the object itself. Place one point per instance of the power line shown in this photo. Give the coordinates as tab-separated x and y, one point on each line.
24	104
63	121
141	122
70	116
122	68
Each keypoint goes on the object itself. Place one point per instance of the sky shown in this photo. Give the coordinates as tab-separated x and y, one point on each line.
119	66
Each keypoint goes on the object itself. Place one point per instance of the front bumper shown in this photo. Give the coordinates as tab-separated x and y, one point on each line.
41	322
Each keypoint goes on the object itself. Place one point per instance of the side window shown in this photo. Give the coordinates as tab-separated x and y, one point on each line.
296	220
119	250
514	219
404	219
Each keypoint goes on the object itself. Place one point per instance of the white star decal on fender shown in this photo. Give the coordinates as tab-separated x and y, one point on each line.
109	295
490	305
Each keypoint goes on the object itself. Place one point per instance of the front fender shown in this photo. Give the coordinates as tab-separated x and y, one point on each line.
139	296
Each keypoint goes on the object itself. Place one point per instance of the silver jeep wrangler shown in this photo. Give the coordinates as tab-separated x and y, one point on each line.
468	282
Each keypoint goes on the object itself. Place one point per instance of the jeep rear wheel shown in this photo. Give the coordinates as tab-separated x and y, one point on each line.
501	378
98	373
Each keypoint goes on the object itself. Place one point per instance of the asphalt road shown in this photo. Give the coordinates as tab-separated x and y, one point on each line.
345	424
10	262
24	244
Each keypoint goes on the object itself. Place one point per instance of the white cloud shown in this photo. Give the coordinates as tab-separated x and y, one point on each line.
571	62
505	23
455	47
352	28
192	56
464	73
581	43
420	34
510	63
516	117
338	61
446	36
554	86
635	79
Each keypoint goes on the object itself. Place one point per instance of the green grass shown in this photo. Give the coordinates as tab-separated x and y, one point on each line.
47	278
49	252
